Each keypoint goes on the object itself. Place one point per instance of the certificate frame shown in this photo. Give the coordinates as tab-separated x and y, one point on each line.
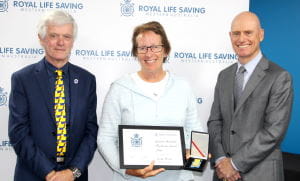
125	150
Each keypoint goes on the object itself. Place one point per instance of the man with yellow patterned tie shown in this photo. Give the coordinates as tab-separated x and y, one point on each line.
52	122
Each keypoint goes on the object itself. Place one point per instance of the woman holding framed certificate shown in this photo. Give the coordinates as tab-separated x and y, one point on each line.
150	97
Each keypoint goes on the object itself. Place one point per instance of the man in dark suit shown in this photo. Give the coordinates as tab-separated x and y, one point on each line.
251	109
33	119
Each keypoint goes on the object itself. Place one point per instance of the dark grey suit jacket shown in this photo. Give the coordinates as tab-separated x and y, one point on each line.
251	134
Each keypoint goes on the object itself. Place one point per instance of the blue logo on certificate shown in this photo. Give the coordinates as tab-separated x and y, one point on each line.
136	140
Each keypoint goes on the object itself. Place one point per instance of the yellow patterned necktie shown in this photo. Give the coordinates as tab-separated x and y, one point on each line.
60	116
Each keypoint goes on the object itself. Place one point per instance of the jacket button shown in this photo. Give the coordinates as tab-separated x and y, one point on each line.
233	132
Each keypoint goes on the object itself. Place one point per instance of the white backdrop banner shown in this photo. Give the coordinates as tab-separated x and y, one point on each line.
197	30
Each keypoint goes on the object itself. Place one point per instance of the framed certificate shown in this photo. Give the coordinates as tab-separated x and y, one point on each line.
140	145
199	151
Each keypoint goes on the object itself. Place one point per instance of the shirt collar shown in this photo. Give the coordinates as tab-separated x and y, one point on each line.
51	69
250	66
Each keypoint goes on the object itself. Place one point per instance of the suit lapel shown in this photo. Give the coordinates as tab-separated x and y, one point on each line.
230	88
43	81
74	86
257	75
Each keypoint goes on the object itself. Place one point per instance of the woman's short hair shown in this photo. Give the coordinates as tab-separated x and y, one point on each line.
155	27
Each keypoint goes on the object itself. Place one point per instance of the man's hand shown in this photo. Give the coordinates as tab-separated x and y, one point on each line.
145	172
226	171
50	175
63	175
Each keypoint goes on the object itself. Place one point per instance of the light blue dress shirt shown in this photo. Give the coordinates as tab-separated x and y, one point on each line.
250	66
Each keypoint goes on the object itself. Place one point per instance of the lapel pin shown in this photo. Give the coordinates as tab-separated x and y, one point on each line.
75	81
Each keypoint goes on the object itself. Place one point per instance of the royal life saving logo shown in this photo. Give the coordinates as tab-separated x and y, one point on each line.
39	6
153	8
5	145
127	8
3	97
3	6
136	140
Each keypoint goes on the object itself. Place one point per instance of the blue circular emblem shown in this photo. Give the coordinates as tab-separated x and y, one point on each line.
127	9
3	97
3	5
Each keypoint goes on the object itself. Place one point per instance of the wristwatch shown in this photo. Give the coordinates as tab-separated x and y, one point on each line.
76	172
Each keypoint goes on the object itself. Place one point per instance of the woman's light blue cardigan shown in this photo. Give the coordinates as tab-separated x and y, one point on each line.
126	104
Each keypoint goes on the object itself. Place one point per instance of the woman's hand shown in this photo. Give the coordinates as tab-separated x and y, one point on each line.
145	172
187	154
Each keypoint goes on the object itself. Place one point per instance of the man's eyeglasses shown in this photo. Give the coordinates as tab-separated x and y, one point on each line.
153	48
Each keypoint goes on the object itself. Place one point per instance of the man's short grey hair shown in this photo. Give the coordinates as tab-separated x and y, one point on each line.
56	18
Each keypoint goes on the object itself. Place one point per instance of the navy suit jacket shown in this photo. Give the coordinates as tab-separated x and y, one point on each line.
32	127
